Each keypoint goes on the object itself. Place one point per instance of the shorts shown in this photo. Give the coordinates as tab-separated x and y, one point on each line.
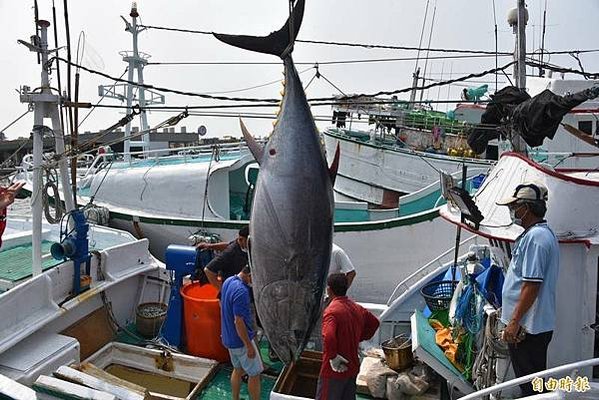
251	366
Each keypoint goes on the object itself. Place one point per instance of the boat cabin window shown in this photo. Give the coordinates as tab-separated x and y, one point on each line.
492	152
586	127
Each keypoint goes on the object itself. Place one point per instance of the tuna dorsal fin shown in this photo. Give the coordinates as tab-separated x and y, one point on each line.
256	149
334	165
278	43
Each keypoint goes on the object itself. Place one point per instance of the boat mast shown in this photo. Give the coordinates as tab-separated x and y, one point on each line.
518	18
520	71
45	105
415	76
136	61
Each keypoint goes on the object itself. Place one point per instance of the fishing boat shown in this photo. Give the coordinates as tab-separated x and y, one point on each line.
406	147
205	193
63	326
67	289
186	198
573	348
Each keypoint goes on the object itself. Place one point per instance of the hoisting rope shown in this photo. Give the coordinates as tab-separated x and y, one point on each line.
215	156
51	184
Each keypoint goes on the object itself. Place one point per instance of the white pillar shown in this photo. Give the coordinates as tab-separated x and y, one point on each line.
127	148
36	196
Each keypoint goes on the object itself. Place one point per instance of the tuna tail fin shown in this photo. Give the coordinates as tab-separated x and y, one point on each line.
334	165
255	148
278	43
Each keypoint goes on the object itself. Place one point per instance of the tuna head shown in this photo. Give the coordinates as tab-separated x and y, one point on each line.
291	225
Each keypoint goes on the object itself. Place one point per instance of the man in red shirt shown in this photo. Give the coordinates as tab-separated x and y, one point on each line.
7	197
344	325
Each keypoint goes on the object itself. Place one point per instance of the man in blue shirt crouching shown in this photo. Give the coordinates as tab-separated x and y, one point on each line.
528	297
238	335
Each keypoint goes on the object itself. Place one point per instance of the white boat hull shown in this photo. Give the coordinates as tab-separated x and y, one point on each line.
374	174
383	252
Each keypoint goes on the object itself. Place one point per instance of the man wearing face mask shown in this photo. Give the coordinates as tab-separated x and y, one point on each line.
528	298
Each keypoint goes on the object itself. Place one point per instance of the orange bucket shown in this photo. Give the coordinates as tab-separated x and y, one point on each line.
201	311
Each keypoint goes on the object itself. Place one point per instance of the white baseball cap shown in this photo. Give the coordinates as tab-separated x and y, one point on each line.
528	191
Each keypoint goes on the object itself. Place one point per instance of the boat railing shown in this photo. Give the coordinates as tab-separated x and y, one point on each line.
186	154
426	269
556	371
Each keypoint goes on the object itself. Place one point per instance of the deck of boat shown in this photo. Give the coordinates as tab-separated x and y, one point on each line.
15	263
219	386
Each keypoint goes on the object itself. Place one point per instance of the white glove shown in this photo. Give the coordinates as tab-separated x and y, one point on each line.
338	364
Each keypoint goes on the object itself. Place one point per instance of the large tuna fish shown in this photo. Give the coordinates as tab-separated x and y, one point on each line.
291	225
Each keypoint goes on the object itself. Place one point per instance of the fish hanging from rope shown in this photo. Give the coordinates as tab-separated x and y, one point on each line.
291	227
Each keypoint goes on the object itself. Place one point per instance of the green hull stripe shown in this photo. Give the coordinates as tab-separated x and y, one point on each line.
339	227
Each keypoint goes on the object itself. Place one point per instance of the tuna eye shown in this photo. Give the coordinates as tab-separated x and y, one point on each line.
272	152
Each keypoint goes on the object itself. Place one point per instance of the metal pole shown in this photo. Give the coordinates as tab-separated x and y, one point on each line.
142	115
75	140
458	234
521	82
518	143
127	143
36	197
140	79
415	76
51	110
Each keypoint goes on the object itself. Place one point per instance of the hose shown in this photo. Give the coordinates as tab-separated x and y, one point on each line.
58	208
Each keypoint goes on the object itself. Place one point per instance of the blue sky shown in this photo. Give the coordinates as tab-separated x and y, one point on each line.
458	24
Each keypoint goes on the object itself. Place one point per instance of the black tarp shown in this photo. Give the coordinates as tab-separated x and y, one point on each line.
534	118
497	111
539	117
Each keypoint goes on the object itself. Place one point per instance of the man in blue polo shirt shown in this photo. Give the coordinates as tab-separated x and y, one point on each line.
238	335
528	306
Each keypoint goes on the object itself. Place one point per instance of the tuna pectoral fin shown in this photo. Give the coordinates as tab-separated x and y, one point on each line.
278	43
334	165
256	149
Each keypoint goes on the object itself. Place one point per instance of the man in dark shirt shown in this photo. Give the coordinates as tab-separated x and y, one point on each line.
230	261
344	325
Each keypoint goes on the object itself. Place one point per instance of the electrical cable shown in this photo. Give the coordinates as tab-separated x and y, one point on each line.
16	152
556	68
577	58
379	46
271	105
338	62
430	38
255	87
68	39
496	41
16	120
101	98
205	96
424	87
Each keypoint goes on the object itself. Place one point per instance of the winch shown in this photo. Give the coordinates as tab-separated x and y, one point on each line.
181	261
74	246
